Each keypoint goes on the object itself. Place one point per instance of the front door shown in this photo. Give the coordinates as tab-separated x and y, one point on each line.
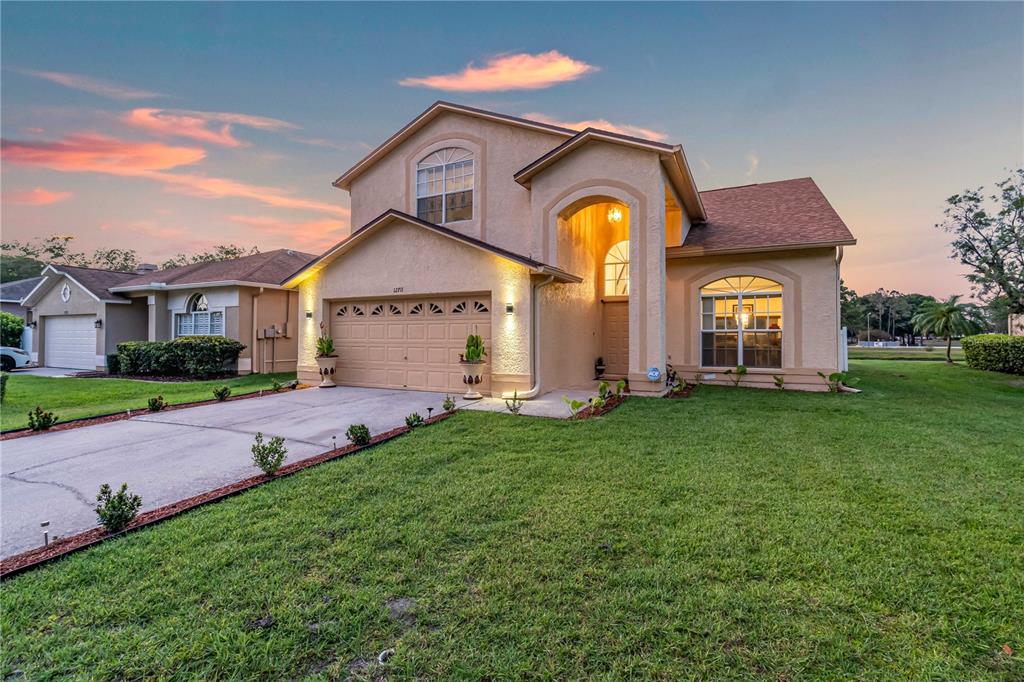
616	338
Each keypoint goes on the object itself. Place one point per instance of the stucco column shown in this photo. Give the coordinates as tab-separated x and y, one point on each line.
159	317
647	297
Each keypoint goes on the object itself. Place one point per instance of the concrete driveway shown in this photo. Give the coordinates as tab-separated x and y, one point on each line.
169	456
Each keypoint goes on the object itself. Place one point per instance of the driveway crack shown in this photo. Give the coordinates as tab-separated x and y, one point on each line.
74	491
244	432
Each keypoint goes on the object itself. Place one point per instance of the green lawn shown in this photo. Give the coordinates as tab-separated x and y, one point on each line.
738	534
71	398
913	353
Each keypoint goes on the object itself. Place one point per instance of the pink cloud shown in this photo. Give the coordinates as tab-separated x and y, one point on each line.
40	196
600	124
214	127
309	235
86	152
150	160
519	71
94	86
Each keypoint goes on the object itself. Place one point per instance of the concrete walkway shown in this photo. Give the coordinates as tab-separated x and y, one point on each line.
169	456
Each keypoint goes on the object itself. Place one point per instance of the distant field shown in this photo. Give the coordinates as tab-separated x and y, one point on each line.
913	353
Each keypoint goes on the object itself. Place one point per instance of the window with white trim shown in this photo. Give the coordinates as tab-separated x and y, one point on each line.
741	322
444	186
616	270
198	319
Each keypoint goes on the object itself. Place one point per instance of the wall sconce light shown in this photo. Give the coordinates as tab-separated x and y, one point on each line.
509	309
33	324
98	324
309	314
614	214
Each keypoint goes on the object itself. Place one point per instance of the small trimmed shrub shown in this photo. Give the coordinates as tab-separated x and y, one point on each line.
449	403
780	381
222	393
11	327
268	456
40	419
156	404
117	510
358	434
414	420
736	374
276	386
3	386
994	352
113	364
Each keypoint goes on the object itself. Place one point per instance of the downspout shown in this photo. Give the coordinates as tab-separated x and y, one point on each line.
255	312
535	338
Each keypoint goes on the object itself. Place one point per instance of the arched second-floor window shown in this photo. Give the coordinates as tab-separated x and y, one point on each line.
198	319
444	186
616	270
741	322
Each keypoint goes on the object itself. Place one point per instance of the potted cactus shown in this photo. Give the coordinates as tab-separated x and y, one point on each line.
325	357
473	365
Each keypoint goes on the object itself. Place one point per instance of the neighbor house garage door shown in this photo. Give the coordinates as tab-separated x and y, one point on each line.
408	343
70	341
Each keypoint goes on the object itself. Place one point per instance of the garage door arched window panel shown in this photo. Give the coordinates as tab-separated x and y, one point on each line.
198	319
444	186
616	270
741	322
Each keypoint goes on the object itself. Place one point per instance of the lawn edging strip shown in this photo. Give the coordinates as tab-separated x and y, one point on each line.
33	558
129	414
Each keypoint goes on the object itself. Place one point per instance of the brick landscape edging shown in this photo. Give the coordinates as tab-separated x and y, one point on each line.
124	414
57	549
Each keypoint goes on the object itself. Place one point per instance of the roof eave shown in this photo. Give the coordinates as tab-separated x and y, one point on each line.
160	286
697	251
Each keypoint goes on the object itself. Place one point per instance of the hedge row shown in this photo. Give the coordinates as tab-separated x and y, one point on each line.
194	356
995	352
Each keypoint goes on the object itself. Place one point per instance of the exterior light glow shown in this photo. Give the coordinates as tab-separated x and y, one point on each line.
615	214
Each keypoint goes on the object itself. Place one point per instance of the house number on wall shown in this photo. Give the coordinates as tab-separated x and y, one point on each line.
398	290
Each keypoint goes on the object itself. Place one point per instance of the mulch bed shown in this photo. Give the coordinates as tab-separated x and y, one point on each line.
685	393
118	416
58	548
589	412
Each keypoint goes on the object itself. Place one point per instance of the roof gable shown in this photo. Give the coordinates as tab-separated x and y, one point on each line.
391	215
95	282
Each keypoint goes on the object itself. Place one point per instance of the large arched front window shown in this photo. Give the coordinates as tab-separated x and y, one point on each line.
444	186
198	319
616	270
741	322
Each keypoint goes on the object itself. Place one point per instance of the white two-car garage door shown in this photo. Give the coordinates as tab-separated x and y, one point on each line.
408	343
70	341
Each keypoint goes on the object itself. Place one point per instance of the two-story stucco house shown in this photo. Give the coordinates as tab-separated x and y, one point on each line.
560	247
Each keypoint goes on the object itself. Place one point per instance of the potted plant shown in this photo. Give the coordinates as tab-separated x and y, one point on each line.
325	357
599	367
473	365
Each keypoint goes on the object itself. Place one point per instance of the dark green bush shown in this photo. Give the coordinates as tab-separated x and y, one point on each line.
995	352
193	356
156	404
222	393
40	419
268	456
358	434
11	327
113	364
116	510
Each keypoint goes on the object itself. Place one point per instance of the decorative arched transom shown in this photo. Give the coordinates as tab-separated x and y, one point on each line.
198	319
444	186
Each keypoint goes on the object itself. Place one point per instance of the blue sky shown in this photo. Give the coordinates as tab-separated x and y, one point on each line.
891	108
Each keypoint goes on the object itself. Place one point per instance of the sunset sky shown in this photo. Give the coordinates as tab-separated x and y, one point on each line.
174	127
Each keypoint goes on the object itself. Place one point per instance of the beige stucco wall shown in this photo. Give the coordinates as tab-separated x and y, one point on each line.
274	308
501	206
418	262
125	323
810	316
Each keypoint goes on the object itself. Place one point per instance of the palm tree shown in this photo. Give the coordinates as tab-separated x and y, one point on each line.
947	319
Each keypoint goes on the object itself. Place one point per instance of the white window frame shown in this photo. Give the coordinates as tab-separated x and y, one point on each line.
187	322
741	327
443	159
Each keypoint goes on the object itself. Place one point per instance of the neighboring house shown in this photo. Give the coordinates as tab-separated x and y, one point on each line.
11	296
81	314
560	247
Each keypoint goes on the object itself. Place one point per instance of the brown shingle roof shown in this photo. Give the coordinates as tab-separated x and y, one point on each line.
784	214
271	267
97	281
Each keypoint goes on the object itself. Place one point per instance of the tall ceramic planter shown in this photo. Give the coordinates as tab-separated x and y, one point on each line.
326	366
472	375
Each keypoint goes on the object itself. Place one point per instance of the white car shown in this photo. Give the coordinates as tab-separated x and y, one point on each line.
12	358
